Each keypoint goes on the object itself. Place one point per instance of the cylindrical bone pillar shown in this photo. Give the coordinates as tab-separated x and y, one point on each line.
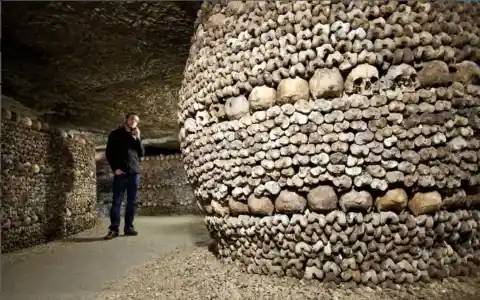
337	140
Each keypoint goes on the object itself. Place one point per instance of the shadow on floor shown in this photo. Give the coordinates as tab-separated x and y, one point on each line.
199	234
203	243
201	237
91	239
84	239
209	244
196	230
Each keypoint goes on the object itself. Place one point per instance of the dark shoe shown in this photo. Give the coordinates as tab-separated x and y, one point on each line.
111	235
131	232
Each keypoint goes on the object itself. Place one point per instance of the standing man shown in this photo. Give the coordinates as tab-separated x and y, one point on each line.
124	150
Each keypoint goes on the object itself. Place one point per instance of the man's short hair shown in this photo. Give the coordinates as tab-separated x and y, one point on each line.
130	114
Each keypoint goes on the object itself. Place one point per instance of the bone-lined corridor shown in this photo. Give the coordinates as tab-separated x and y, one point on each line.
332	148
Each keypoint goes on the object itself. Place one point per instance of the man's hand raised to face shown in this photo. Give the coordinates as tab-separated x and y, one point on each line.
136	133
118	172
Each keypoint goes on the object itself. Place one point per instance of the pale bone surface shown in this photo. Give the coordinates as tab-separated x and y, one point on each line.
48	182
370	98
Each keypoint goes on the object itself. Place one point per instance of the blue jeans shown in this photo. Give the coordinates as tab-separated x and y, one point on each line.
128	182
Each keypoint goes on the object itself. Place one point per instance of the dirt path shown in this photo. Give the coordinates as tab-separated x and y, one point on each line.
80	267
170	260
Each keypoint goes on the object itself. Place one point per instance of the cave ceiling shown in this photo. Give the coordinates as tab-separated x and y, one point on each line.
85	64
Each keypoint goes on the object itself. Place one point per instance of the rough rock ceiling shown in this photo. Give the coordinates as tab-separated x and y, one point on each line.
85	64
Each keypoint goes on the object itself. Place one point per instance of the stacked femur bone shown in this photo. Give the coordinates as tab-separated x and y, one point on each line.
337	140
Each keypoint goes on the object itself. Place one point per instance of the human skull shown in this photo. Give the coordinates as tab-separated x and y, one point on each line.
202	118
326	83
216	20
236	107
190	125
236	7
402	76
262	97
433	73
467	72
362	80
217	112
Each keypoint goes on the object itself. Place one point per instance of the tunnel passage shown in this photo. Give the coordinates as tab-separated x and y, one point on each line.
163	189
337	140
81	66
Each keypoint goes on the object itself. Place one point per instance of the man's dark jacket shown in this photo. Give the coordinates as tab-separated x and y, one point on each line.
124	151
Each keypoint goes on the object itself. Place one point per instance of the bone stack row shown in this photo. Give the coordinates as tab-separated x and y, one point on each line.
298	146
163	157
326	105
363	248
164	188
48	182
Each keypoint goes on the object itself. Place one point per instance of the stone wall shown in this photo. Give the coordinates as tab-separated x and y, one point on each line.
337	141
104	184
48	182
163	187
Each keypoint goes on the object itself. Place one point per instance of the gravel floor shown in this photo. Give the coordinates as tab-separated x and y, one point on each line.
190	273
199	275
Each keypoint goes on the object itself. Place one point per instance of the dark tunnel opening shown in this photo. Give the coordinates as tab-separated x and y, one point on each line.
156	150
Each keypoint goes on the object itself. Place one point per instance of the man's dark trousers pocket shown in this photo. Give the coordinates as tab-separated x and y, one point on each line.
122	183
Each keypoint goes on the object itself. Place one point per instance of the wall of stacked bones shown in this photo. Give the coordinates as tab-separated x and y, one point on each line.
104	184
337	140
163	188
48	182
